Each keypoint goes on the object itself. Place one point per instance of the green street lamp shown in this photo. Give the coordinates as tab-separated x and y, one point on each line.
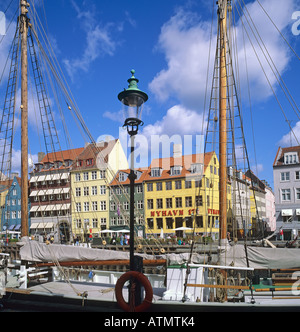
133	100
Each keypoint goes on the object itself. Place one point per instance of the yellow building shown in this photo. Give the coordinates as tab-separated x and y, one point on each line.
182	192
90	177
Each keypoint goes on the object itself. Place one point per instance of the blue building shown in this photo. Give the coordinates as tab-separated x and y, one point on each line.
11	210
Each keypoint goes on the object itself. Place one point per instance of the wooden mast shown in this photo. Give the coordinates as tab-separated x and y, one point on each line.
24	118
222	13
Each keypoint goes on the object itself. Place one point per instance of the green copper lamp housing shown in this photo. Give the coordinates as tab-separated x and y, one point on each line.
133	100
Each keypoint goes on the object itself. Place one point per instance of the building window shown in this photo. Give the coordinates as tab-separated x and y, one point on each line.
178	202
113	206
155	172
78	223
77	177
126	206
102	205
140	205
169	222
297	175
169	204
199	200
287	219
94	175
291	158
159	223
198	183
94	191
285	194
297	193
176	170
86	206
86	176
95	222
159	203
150	223
113	221
199	221
159	186
149	186
102	190
196	168
285	176
150	204
102	174
139	188
122	177
78	207
188	201
188	184
78	192
178	184
169	185
86	191
95	206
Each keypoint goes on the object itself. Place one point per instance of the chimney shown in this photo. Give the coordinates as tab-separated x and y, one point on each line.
177	151
41	156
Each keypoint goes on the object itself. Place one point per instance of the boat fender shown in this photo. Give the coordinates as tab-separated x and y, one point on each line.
145	305
104	242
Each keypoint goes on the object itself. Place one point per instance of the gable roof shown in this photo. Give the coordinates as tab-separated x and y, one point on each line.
93	151
184	161
279	159
71	154
116	182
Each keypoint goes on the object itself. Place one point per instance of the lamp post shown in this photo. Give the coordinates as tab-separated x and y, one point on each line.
133	100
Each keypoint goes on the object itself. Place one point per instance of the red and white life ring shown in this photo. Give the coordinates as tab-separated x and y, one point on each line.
145	305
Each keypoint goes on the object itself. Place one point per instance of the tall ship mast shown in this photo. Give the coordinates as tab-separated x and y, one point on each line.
24	24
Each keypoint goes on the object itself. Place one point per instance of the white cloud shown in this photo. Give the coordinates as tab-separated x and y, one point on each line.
292	138
177	121
185	41
98	42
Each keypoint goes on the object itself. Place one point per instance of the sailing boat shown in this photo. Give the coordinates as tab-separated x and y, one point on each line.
191	285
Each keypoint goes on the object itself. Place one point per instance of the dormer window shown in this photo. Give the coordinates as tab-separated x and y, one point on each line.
196	168
155	172
89	162
291	158
122	177
176	170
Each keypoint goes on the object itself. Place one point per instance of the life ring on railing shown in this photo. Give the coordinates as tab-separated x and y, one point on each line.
145	305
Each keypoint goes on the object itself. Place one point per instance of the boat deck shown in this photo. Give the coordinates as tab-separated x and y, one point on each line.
70	297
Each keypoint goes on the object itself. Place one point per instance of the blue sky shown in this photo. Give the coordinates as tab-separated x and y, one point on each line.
167	42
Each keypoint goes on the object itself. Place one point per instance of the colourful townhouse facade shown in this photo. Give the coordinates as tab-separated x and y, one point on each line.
50	195
119	216
182	191
11	205
90	178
